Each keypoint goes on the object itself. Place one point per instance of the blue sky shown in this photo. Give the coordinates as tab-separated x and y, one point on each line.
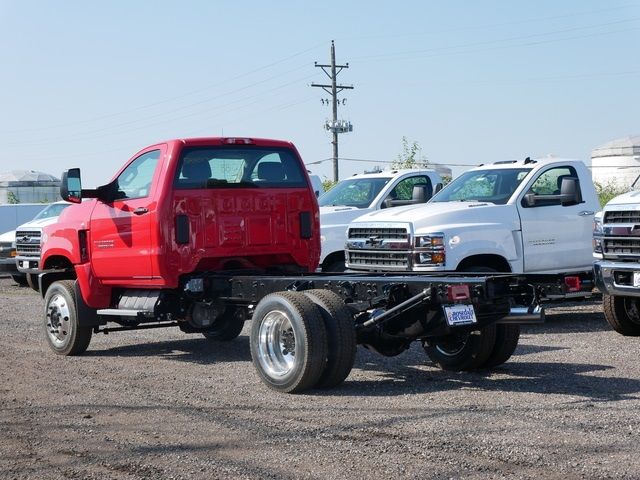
90	83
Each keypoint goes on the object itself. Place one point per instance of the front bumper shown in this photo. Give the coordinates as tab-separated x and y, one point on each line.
27	264
8	265
616	278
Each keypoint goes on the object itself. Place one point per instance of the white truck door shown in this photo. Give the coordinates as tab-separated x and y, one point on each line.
555	238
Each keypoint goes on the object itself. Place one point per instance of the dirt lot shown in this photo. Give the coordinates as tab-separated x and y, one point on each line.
160	404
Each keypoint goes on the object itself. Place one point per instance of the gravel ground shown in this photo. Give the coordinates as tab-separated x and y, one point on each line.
160	404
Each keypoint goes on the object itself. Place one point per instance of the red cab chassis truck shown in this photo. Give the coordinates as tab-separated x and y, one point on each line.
204	234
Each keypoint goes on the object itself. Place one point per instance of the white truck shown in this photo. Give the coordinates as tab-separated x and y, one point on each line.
364	193
616	248
525	217
530	217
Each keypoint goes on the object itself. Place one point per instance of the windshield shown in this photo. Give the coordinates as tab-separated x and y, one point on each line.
354	192
495	186
53	210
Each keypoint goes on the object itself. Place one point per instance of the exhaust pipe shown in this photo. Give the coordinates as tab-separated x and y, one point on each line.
522	315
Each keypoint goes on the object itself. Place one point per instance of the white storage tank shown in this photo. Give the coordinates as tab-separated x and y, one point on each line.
617	163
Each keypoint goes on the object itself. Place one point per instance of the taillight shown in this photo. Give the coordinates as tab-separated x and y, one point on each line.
458	292
238	141
572	284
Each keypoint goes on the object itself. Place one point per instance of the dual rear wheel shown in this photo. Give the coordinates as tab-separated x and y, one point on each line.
302	340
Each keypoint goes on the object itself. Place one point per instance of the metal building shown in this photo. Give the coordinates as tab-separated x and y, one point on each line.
617	162
28	186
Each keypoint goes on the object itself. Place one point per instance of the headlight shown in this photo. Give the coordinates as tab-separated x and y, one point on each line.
598	231
429	249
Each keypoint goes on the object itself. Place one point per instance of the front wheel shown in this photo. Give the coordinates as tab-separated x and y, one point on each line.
63	332
20	279
623	314
288	342
462	351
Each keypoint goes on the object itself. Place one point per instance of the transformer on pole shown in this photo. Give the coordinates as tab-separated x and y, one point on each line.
335	126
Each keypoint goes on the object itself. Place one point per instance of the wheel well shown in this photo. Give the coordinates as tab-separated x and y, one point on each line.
331	259
57	262
496	262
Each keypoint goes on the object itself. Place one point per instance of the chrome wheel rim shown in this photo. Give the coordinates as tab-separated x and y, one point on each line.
58	323
276	345
452	346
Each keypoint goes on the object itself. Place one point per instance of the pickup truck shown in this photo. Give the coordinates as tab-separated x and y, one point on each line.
526	217
616	249
27	238
204	234
365	193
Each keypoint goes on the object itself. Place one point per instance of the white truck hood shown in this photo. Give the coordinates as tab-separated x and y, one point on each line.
439	215
38	224
630	198
339	215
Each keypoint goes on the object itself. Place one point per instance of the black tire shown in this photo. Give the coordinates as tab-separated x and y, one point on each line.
341	337
32	281
62	330
226	327
623	314
288	342
20	279
507	336
462	351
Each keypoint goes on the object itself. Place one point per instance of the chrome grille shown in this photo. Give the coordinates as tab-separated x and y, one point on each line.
28	243
382	233
622	246
366	258
623	216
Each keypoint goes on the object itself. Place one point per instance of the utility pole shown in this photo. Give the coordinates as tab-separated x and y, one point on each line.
335	126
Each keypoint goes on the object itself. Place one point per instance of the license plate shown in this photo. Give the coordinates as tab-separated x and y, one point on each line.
636	279
460	315
25	264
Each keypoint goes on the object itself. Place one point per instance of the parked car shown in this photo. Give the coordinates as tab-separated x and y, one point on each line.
8	257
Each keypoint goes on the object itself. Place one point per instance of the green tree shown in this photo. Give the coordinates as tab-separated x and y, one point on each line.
607	191
411	156
328	184
12	198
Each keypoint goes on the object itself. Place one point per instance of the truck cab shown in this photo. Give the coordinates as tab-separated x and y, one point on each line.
187	206
531	216
365	193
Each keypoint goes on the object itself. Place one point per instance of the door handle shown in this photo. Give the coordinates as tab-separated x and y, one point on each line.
141	211
586	213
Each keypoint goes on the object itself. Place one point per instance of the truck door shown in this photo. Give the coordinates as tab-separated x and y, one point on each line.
121	243
555	237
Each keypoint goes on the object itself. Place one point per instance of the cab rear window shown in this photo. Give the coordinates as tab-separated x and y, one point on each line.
232	166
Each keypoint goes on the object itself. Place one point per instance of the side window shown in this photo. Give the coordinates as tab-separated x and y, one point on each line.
135	180
548	185
404	189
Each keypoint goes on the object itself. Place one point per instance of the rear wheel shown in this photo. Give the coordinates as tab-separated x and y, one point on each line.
227	326
341	336
288	342
507	336
462	351
622	313
63	332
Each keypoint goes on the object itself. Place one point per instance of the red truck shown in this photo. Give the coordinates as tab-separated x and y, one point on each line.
204	234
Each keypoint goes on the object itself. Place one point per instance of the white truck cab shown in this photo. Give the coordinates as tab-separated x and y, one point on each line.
530	216
363	193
